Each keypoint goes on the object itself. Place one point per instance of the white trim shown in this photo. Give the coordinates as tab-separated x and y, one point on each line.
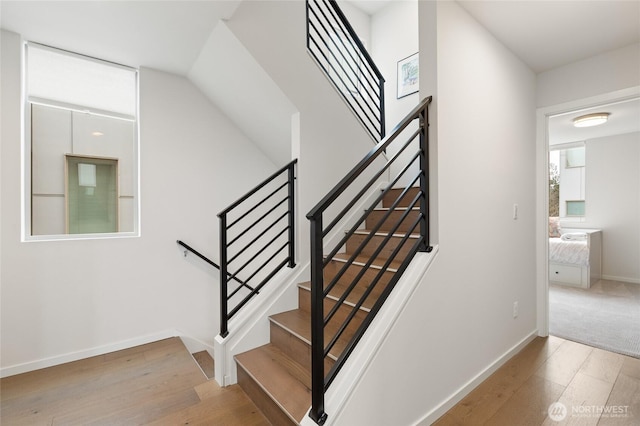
87	353
621	279
542	196
457	396
79	55
79	108
250	327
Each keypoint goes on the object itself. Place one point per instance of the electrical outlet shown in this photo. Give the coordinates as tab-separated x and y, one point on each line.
515	309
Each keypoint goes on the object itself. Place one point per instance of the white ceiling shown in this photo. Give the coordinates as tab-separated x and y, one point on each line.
548	34
169	35
165	35
624	118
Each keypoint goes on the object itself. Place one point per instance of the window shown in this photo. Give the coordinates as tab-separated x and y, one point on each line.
92	195
81	150
575	157
567	188
575	208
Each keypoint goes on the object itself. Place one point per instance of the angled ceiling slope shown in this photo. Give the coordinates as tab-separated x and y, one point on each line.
165	35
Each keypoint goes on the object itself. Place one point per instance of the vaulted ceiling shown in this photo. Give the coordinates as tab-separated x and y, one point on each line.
169	35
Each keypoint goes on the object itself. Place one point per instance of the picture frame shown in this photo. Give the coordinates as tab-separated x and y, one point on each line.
408	76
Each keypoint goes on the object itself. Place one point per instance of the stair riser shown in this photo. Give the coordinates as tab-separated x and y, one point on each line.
391	221
372	245
293	346
334	267
393	194
304	297
354	296
269	408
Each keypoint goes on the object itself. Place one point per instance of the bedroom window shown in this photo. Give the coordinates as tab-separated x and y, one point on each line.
81	147
567	185
575	208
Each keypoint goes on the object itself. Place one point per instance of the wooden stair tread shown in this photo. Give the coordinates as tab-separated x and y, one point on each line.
384	234
205	361
394	193
356	293
283	379
298	323
362	260
397	208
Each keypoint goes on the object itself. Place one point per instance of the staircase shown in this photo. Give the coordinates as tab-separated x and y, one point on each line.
277	376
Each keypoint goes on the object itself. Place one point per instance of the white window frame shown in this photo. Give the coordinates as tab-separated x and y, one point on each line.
26	193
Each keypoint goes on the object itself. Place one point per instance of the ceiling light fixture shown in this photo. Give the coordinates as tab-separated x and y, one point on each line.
591	120
96	133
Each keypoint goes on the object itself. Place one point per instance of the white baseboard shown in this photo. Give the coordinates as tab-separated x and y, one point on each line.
98	350
456	397
621	279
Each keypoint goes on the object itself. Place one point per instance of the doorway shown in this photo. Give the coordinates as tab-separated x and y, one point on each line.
583	205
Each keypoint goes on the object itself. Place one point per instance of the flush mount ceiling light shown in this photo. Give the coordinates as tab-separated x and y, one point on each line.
591	120
96	133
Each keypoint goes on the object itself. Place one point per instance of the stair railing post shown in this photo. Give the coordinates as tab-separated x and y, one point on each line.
224	327
424	177
382	113
291	215
317	322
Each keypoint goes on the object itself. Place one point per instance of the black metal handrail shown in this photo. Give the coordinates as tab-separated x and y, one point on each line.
259	235
187	248
335	46
415	229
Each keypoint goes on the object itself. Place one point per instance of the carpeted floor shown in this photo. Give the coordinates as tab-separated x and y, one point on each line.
606	316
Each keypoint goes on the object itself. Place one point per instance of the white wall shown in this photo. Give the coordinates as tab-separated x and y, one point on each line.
227	73
64	300
394	37
359	20
459	322
608	72
331	139
613	203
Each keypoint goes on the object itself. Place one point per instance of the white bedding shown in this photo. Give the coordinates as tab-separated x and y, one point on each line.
571	252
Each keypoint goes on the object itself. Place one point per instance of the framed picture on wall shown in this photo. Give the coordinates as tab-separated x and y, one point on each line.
408	77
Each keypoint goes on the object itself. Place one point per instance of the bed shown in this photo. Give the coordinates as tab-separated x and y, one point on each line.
575	257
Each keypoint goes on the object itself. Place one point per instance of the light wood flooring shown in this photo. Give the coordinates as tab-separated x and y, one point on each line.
586	380
161	384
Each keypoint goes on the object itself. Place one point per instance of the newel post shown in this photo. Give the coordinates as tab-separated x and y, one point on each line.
317	322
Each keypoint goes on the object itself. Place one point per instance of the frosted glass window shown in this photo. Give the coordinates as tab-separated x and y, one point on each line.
575	157
575	208
92	195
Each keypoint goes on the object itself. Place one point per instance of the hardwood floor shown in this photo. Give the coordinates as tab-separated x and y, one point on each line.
160	384
594	386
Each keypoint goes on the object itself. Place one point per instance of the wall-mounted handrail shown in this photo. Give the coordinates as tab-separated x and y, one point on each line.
257	231
413	238
188	248
340	53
